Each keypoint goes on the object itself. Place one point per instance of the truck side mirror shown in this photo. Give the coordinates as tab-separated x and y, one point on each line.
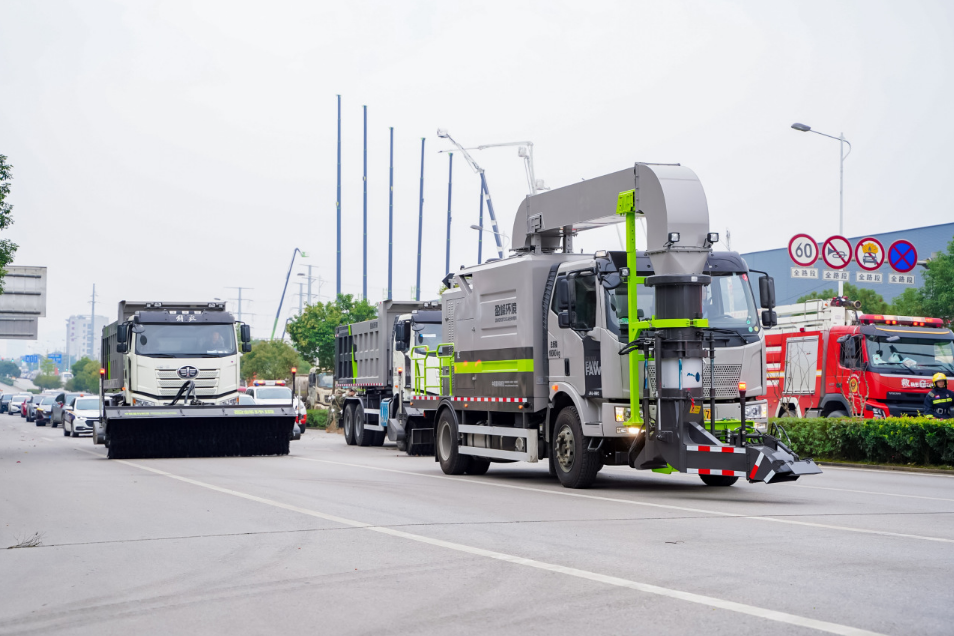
563	318
562	295
400	331
246	347
122	334
769	319
122	347
246	334
767	292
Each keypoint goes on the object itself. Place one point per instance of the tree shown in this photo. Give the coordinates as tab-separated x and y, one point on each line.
937	294
271	360
47	381
313	332
85	376
909	303
7	247
871	301
9	369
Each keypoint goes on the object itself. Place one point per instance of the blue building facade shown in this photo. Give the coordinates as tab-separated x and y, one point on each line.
792	281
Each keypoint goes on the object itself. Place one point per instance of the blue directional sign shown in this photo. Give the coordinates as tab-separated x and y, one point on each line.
31	359
56	357
902	256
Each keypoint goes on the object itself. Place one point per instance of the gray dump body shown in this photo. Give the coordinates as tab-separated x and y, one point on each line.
368	345
495	319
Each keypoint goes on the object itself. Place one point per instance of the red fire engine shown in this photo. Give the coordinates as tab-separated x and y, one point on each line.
828	359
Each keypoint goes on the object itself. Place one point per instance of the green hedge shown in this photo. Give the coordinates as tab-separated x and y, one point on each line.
896	440
317	418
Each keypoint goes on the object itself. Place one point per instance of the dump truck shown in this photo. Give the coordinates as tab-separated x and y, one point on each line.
374	357
827	358
546	354
169	386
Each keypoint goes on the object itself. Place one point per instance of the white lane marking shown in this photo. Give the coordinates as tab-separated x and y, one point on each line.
884	472
564	493
880	494
710	601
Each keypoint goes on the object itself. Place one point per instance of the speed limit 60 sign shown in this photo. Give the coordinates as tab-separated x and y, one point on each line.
803	250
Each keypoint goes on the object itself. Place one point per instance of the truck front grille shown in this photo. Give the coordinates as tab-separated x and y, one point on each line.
206	383
725	379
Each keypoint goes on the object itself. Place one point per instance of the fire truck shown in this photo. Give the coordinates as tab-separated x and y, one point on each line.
826	358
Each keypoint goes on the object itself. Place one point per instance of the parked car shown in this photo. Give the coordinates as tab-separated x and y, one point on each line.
42	409
62	402
16	402
81	417
25	404
5	401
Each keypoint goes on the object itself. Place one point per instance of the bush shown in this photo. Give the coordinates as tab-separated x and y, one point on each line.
317	418
48	381
895	440
5	379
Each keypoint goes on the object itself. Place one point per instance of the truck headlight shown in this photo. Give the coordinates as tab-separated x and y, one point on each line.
232	401
756	411
628	430
622	413
141	402
878	413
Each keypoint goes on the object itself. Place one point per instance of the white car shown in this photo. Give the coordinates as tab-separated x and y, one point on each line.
16	403
80	418
275	393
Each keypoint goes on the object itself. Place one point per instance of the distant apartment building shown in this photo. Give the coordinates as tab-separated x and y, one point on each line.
81	340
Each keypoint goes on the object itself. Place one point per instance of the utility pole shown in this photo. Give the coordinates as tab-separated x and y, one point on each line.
390	215
450	178
420	227
364	280
338	201
240	299
301	294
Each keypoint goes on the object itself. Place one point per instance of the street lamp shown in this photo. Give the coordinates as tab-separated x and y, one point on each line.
841	180
487	229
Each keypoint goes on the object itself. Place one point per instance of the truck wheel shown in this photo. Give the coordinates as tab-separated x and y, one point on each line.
378	438
452	462
478	466
575	466
718	480
362	436
838	413
348	422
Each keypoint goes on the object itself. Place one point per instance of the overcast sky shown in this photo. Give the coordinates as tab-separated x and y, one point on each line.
172	150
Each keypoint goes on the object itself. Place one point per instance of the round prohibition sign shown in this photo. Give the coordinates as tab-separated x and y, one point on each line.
902	256
803	250
836	252
869	254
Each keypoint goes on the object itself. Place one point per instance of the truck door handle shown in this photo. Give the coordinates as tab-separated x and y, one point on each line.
566	366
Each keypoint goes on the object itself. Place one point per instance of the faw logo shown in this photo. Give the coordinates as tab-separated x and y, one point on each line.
915	384
592	367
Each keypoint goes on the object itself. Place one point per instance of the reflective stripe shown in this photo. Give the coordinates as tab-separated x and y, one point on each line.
495	366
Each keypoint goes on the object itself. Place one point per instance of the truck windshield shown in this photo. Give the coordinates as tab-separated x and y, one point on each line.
325	381
186	341
427	334
914	356
727	303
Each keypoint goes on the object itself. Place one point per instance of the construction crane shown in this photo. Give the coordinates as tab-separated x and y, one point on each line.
484	192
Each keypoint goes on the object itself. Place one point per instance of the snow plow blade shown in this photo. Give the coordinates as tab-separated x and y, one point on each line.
195	431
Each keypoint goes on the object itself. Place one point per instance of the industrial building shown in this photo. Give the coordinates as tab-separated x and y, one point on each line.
792	282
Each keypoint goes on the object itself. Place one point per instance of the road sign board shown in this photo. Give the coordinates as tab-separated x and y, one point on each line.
869	253
803	250
829	274
56	357
836	252
31	359
902	256
868	277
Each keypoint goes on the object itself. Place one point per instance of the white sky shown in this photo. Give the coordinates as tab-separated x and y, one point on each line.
170	150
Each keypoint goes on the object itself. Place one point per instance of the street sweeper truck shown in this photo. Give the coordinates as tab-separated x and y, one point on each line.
169	386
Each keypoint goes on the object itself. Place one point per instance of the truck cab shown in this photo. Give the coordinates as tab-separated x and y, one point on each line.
601	328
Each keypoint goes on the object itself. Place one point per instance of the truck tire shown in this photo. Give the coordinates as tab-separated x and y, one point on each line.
837	413
478	466
575	466
378	438
719	481
448	443
362	436
348	424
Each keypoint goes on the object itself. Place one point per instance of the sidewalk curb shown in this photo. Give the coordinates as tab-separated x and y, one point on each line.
902	469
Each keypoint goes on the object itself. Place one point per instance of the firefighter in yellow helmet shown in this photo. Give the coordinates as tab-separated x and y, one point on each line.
939	401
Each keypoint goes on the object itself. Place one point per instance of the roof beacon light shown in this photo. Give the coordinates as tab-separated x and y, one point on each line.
908	321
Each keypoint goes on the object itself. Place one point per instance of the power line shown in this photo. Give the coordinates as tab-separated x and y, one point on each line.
239	300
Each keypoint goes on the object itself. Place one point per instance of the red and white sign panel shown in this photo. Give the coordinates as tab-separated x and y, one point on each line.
869	253
836	252
803	250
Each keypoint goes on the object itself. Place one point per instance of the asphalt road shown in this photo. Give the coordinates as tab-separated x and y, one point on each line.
341	540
